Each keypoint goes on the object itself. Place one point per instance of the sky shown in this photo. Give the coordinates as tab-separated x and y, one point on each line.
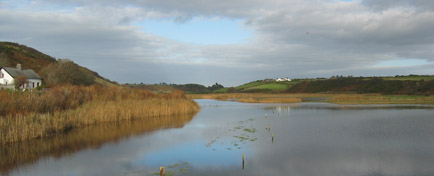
227	41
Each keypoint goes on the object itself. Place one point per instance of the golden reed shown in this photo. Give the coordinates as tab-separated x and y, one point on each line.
30	115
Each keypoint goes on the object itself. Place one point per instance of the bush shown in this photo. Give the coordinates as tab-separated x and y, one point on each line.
65	72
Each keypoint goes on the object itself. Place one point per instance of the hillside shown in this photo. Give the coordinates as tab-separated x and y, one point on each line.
408	85
384	85
12	53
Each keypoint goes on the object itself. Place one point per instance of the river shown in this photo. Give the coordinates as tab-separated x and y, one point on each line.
276	139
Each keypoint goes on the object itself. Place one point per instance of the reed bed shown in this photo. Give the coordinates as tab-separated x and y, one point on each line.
31	115
271	100
257	97
331	98
380	99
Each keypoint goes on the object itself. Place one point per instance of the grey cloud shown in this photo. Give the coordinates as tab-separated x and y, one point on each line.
291	38
387	4
393	33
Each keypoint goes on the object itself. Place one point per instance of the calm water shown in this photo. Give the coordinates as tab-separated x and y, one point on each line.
309	139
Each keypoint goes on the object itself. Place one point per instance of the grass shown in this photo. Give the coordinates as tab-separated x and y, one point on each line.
222	90
380	99
330	98
249	85
31	115
270	86
410	78
261	86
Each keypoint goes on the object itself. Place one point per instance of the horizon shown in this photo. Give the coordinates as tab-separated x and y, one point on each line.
229	42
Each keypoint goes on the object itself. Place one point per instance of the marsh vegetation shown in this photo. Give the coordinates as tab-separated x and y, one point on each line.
31	115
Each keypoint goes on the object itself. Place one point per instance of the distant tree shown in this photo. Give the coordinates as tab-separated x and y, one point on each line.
216	86
65	71
20	80
192	88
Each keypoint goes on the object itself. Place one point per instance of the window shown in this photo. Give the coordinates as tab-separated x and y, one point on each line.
2	75
33	84
37	84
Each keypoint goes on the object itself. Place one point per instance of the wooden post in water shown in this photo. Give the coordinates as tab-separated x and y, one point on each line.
162	171
265	115
272	138
243	161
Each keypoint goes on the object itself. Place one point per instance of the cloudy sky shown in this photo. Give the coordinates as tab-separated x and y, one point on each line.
227	41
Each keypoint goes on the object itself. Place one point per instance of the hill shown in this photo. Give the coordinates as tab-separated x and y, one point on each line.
403	85
408	85
12	53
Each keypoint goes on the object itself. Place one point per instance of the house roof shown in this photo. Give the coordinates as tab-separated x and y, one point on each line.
29	73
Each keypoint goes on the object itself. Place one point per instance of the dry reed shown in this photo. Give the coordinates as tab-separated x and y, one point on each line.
331	98
31	115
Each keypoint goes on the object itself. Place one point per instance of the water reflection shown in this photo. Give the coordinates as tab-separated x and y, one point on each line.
28	152
287	107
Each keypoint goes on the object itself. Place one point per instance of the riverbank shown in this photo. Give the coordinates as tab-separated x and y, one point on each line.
32	115
317	97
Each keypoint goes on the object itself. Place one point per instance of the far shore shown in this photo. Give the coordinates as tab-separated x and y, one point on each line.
319	97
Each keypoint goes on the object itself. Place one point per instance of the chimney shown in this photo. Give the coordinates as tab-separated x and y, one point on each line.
19	66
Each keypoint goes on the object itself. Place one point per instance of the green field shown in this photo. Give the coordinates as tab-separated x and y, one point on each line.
262	86
222	90
269	86
250	85
410	78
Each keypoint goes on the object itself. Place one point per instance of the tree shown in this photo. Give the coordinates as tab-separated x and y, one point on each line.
214	87
20	80
65	71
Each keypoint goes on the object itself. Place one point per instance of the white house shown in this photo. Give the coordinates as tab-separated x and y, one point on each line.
283	79
8	74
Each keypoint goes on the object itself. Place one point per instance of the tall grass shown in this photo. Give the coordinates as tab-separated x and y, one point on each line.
331	98
380	99
30	115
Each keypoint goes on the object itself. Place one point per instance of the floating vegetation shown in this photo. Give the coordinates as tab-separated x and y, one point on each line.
239	131
253	130
238	127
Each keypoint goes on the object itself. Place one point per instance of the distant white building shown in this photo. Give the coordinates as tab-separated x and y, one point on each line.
8	75
283	79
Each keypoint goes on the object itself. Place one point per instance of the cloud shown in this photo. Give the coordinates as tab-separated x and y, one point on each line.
427	5
290	38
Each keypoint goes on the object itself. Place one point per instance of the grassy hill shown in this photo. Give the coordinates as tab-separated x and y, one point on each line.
410	85
261	86
12	53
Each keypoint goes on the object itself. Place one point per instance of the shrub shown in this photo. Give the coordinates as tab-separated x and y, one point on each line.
65	72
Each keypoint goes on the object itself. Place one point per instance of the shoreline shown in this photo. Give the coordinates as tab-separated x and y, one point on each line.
344	99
